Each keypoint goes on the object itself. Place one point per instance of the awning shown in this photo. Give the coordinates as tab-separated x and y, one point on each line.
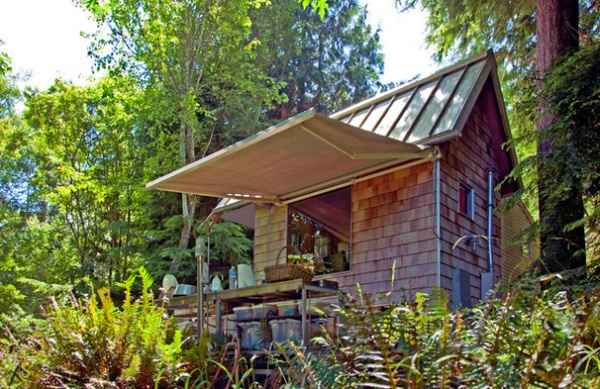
303	154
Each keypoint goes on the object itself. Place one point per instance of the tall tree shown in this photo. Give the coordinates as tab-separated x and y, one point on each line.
529	37
561	203
326	63
178	45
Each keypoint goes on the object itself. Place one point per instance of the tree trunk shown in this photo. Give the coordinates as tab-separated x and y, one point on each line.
188	201
560	196
186	229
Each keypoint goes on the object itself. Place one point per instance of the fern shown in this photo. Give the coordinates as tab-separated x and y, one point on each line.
529	338
92	340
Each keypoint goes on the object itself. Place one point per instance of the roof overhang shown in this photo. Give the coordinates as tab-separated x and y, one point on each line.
304	154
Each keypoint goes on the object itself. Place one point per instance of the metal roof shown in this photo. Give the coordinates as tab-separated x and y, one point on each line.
427	111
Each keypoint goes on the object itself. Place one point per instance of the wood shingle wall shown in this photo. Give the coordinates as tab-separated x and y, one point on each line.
466	160
392	221
518	256
393	218
269	236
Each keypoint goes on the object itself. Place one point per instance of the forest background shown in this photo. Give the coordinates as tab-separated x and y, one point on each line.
74	161
183	79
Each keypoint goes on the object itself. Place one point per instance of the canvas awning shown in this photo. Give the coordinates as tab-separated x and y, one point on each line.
303	154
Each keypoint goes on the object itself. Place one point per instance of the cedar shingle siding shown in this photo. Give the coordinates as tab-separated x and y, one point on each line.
393	218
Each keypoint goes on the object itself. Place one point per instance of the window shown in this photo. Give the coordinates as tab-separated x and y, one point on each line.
466	201
319	227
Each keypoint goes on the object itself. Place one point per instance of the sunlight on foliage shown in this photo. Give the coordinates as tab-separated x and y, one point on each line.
91	341
528	337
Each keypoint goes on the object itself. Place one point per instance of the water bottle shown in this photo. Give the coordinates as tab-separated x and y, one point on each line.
233	280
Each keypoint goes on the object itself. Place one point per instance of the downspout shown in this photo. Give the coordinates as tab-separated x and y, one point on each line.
436	171
490	210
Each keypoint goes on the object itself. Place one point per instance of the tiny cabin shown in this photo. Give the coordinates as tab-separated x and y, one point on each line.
402	187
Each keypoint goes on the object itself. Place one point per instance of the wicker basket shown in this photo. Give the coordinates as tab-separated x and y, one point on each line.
287	271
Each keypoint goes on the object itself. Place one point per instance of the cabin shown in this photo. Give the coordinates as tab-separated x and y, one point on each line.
402	186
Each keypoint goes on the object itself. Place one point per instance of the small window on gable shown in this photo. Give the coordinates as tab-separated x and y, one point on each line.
466	201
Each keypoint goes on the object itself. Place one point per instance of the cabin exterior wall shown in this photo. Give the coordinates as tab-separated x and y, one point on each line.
466	161
269	236
392	228
518	256
393	220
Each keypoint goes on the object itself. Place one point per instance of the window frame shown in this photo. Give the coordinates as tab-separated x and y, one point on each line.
466	200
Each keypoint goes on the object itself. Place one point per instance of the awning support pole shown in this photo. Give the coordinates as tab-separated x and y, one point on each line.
200	253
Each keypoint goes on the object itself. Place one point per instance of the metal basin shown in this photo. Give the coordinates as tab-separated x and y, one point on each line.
184	290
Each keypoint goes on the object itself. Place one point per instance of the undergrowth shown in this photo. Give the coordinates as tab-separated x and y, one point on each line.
92	342
528	337
537	333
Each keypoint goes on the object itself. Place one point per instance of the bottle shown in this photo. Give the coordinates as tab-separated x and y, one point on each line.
216	284
233	280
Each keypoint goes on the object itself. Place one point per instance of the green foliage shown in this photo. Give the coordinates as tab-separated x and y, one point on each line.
326	64
95	342
89	173
321	6
195	58
573	91
9	93
30	245
526	338
92	342
230	243
15	150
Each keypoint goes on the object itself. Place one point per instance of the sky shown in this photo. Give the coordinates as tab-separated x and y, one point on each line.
43	38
